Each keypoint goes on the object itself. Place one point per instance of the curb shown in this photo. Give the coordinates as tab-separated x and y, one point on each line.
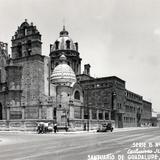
82	132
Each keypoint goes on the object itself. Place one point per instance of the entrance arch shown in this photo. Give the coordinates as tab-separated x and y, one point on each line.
0	111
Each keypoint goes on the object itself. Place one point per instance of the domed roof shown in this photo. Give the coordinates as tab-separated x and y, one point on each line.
64	42
63	73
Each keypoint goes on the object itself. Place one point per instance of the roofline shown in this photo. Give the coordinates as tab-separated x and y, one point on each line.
146	101
134	93
104	78
85	75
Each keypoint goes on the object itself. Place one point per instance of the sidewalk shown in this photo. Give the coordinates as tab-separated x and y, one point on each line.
115	130
84	132
131	128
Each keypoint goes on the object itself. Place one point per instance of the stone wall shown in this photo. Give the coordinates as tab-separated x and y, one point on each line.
32	82
3	105
27	88
21	125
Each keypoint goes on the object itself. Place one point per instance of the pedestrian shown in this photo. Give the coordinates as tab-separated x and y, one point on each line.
42	128
55	128
45	127
38	128
66	128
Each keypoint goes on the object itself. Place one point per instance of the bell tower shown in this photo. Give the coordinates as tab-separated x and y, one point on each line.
26	41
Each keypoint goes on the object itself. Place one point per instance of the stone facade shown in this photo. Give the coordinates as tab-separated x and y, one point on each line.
26	41
3	85
25	94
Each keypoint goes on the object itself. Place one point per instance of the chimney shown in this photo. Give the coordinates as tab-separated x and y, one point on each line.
87	69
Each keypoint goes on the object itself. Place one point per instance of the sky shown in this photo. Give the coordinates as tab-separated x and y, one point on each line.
117	37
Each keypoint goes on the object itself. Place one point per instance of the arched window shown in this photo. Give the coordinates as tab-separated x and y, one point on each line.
76	45
57	45
77	95
19	49
68	44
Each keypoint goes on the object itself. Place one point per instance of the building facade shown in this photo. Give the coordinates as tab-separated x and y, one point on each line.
35	88
105	97
133	109
146	114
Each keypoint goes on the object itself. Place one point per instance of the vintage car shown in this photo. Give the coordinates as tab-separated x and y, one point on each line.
105	127
44	127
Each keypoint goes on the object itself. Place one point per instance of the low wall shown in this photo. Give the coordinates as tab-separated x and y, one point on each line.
20	125
82	125
31	125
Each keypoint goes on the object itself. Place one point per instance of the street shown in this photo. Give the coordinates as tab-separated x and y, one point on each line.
75	146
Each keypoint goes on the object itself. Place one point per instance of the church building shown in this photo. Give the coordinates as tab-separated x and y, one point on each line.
36	88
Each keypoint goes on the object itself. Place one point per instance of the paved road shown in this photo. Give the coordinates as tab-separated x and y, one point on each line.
31	146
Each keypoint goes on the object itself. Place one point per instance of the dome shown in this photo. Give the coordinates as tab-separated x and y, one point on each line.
63	73
64	42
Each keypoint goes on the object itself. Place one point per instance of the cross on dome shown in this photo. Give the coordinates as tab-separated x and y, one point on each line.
64	33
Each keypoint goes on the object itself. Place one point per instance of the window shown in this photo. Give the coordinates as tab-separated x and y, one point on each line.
77	112
86	113
57	45
68	44
55	113
15	115
25	32
76	45
19	50
106	116
77	95
100	115
94	114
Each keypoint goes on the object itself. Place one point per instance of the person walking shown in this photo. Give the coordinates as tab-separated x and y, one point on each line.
55	128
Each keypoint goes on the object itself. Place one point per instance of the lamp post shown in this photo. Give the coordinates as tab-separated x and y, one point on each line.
23	110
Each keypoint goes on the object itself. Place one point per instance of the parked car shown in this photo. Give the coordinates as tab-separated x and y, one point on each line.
44	127
105	127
